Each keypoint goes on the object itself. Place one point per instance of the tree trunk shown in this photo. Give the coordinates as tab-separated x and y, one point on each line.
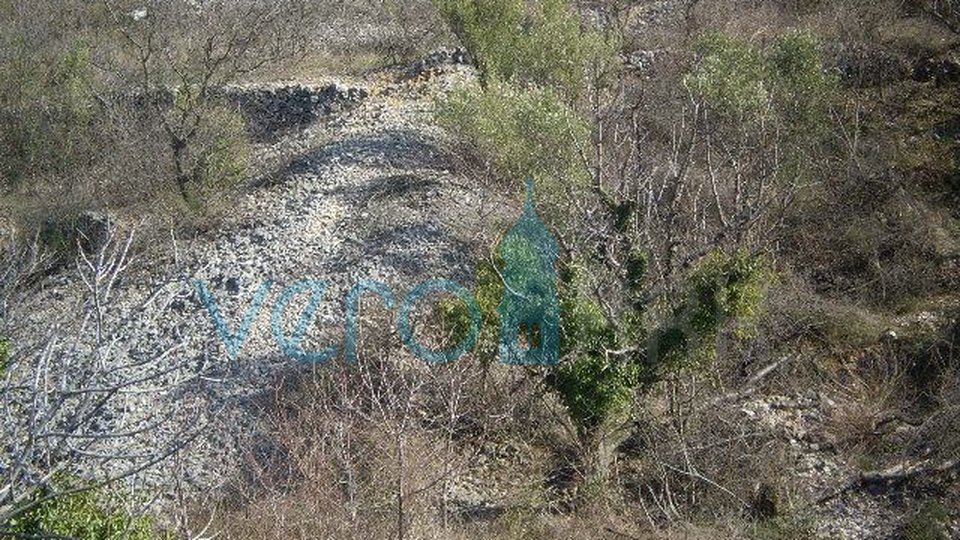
179	147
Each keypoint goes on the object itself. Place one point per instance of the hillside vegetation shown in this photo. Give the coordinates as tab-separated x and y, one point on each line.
756	208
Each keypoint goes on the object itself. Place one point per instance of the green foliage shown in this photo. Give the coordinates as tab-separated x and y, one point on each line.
785	81
730	75
220	156
526	132
224	162
540	43
81	515
535	60
584	327
46	114
4	355
929	523
594	387
489	30
803	90
590	386
725	287
722	288
488	290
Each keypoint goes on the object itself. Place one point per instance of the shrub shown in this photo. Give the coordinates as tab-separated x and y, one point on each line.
730	76
81	515
488	290
489	30
46	117
801	86
725	287
594	385
540	43
220	157
534	59
785	81
605	364
591	385
584	325
73	138
525	131
594	388
721	289
535	62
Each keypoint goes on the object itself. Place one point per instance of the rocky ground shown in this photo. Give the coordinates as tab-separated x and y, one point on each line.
824	472
353	182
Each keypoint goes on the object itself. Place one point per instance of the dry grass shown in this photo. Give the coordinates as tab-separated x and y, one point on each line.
866	394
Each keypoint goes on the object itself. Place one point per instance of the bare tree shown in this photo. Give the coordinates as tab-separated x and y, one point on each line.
179	56
78	405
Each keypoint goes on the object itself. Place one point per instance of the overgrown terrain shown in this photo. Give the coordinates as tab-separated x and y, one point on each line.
755	209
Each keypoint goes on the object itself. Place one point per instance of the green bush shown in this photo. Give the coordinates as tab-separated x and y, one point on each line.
211	164
222	156
46	118
490	31
730	76
590	386
594	388
535	61
83	515
540	43
785	81
488	290
802	88
594	385
584	327
721	289
526	132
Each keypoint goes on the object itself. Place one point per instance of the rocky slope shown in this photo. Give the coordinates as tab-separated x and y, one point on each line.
353	182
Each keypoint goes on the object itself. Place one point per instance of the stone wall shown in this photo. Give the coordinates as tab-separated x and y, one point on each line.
274	111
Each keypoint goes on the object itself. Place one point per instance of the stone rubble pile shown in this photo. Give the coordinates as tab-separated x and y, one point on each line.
275	111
